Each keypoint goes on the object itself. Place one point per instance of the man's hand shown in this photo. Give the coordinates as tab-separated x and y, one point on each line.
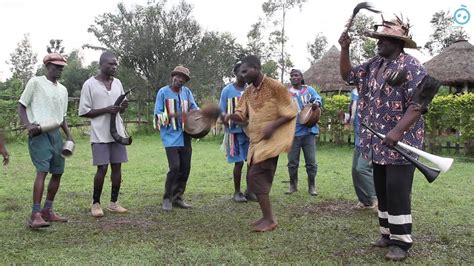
33	130
5	154
268	131
112	109
315	106
392	137
345	40
124	105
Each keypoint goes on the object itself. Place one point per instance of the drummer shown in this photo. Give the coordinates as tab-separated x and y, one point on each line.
304	138
171	102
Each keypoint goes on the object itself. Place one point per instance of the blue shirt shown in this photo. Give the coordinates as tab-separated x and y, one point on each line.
230	97
169	102
303	97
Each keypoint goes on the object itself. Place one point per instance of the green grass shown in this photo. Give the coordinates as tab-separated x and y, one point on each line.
311	230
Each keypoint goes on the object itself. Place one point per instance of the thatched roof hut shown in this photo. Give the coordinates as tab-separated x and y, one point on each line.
454	66
325	73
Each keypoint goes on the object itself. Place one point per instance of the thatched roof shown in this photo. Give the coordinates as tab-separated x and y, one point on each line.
325	73
454	65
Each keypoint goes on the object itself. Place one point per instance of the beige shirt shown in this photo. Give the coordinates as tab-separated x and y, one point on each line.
44	100
262	106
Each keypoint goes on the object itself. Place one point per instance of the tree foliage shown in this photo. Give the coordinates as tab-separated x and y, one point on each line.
278	37
318	47
75	74
23	60
153	39
213	63
444	33
150	39
362	47
55	46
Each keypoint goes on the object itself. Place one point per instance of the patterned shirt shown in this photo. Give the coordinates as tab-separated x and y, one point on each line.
263	105
381	106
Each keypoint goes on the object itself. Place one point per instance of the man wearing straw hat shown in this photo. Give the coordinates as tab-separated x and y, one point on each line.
42	110
172	101
98	96
386	106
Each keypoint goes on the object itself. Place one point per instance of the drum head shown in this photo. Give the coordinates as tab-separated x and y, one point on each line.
196	125
309	117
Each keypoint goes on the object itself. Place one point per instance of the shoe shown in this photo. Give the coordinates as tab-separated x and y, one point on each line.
115	207
167	205
396	253
362	206
312	191
382	242
96	210
239	197
251	196
291	190
36	221
50	216
181	204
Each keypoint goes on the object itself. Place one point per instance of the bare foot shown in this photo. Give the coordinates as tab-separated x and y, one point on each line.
265	226
257	222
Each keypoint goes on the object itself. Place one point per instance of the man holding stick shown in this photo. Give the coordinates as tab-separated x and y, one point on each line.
388	108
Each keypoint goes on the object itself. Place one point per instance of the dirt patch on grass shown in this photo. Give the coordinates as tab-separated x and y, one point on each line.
330	207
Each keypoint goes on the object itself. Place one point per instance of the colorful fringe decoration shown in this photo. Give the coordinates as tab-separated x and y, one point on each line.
231	107
169	115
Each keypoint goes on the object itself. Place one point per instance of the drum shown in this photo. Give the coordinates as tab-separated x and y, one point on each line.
309	117
196	124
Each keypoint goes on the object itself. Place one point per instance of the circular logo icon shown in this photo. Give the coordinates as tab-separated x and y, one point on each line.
462	15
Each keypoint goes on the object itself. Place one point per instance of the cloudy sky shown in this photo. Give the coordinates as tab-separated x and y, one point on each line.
69	20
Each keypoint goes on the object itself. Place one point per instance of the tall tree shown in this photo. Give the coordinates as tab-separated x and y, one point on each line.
150	38
212	64
255	42
271	8
55	46
75	74
153	39
23	60
260	48
318	47
362	47
444	33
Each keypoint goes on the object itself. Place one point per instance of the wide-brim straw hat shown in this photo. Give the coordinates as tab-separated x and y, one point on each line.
393	29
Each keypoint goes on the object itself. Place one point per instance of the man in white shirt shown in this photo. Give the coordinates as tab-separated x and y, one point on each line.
98	96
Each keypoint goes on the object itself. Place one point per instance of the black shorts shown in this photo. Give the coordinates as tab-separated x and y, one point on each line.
261	175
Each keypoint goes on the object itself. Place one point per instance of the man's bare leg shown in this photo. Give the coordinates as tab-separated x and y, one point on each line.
268	222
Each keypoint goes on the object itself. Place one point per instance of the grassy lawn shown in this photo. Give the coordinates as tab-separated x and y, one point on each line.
311	230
